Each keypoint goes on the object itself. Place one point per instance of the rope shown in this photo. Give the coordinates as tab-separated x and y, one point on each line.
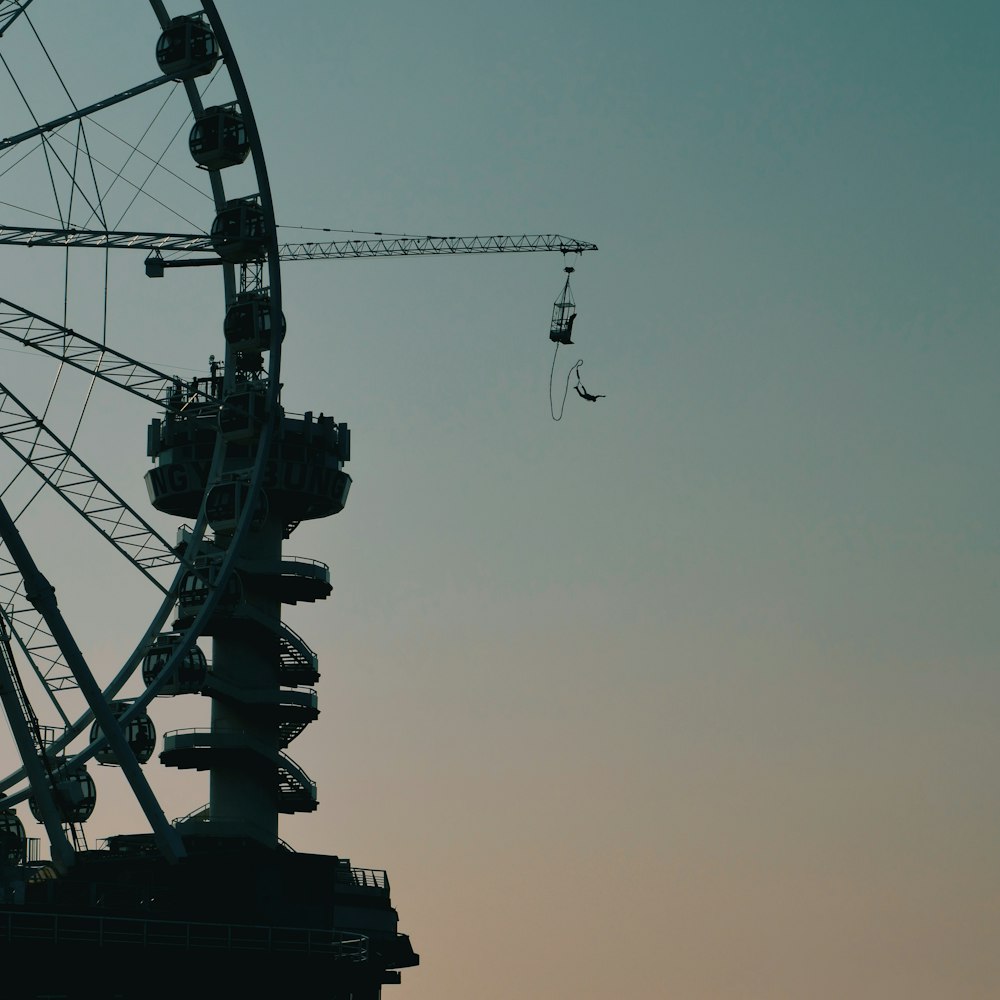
569	375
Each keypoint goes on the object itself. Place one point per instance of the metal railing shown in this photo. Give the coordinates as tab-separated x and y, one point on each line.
201	814
64	929
370	878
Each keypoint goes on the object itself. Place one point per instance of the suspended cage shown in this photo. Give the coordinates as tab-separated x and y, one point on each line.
563	314
139	733
75	796
188	676
186	47
218	138
239	231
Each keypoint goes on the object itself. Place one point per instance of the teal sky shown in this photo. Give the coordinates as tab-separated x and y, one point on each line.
693	694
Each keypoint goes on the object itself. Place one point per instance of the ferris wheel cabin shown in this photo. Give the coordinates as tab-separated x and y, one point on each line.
218	138
187	47
240	231
139	733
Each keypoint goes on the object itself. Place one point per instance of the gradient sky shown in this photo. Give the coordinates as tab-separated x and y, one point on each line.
694	693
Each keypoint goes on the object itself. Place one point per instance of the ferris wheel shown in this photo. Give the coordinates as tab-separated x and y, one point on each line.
107	164
110	174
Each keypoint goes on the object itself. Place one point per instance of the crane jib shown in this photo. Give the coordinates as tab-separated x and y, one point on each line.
180	245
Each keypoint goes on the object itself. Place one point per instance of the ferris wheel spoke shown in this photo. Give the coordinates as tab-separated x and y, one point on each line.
103	239
29	630
138	189
10	11
80	149
82	488
76	169
81	113
88	355
70	172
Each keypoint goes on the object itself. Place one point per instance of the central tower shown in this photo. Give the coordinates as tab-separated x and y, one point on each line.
261	675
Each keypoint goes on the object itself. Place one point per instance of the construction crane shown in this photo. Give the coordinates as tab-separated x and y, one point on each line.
379	245
388	245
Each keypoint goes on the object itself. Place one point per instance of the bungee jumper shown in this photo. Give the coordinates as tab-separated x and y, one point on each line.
581	389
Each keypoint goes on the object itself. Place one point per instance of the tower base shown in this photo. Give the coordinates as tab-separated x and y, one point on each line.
230	917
